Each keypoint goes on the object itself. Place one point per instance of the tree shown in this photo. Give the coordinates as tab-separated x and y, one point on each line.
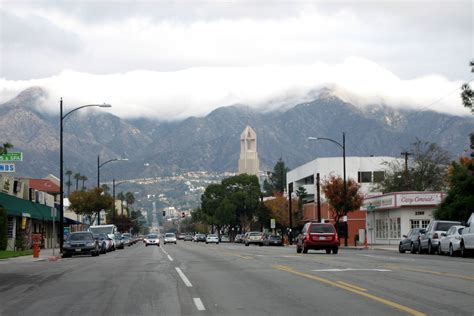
4	148
83	179
89	202
459	202
427	171
467	96
276	179
77	177
68	183
129	198
333	189
105	188
3	229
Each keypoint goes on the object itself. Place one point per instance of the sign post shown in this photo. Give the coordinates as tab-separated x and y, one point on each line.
272	225
53	215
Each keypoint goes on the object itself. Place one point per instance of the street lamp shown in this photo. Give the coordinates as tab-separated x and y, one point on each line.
99	165
61	162
343	147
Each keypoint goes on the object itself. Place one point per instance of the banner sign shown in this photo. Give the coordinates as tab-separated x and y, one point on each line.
11	157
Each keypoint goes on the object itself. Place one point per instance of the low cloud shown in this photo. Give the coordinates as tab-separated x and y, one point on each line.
197	91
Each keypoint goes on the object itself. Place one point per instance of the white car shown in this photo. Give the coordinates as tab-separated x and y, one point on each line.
451	240
467	238
169	238
152	239
212	238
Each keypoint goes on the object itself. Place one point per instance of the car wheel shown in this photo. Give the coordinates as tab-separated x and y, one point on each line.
328	251
440	252
246	244
430	248
451	252
146	245
298	249
412	248
335	250
217	243
305	250
400	248
175	242
66	255
420	250
463	250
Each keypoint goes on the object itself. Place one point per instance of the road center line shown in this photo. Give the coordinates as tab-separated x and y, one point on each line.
169	257
183	277
351	269
351	289
352	286
199	304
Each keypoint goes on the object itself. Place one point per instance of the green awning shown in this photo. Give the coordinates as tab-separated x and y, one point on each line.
17	207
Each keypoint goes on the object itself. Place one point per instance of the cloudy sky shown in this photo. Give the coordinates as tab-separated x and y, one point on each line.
172	59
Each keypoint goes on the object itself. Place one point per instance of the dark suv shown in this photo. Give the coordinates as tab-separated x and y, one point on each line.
318	236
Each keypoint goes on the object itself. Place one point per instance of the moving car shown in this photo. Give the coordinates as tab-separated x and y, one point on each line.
152	239
429	241
318	236
255	238
451	240
212	238
273	240
80	243
169	238
411	241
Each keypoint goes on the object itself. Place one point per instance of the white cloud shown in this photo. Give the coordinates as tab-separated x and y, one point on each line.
197	91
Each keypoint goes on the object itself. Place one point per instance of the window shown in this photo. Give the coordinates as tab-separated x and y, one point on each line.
395	227
365	176
425	223
379	176
414	223
419	213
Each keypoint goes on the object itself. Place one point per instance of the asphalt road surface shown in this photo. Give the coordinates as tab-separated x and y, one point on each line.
231	279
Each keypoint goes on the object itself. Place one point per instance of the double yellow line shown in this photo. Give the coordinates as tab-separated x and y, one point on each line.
351	288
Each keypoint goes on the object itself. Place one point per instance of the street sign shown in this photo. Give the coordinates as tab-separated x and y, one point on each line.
7	167
272	223
53	212
11	157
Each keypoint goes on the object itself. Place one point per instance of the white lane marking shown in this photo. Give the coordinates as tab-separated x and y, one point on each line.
164	250
169	257
183	277
199	304
350	269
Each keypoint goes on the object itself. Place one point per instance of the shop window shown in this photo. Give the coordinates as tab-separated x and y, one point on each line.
379	176
414	223
364	176
425	223
395	227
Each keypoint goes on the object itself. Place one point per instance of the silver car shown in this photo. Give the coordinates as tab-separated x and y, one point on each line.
429	241
451	241
169	238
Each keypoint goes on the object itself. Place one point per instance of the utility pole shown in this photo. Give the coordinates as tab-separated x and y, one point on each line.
406	154
318	194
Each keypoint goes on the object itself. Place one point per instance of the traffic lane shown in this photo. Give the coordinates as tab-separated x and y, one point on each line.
136	280
237	284
441	288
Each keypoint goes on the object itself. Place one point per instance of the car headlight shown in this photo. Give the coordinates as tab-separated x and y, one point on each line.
66	245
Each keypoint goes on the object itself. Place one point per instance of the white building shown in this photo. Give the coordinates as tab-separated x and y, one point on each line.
365	170
248	161
392	215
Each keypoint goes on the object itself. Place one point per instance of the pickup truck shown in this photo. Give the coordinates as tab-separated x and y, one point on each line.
467	237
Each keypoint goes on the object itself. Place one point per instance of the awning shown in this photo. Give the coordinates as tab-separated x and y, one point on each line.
70	221
16	207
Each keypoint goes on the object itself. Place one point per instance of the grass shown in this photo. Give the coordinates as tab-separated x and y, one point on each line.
5	254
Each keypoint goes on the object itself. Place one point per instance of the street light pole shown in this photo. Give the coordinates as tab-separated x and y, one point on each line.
343	147
99	165
61	163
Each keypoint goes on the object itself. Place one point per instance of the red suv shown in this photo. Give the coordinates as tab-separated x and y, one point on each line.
318	236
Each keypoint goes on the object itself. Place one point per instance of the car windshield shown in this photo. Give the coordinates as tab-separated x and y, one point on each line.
211	235
275	237
322	229
79	236
169	235
444	226
152	236
255	234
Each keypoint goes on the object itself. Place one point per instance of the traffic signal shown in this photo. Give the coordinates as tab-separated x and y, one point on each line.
183	214
164	213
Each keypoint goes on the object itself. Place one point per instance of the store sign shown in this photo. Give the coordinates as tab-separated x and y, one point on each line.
11	157
7	167
419	199
378	202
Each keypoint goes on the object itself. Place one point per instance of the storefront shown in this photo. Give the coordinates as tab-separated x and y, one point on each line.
392	215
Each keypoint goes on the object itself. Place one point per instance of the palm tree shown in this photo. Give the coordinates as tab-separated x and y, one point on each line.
84	179
5	147
77	177
68	183
105	188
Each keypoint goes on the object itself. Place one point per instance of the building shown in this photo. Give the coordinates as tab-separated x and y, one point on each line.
389	216
248	161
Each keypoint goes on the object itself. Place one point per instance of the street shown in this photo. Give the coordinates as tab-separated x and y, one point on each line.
231	279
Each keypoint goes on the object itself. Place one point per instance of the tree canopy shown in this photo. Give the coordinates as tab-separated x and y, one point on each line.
89	202
341	202
276	182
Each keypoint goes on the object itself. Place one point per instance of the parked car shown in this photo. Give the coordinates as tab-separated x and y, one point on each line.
119	244
80	243
152	240
411	241
273	240
238	238
225	238
105	243
127	240
255	238
450	242
429	241
169	238
212	238
181	236
467	237
200	238
318	236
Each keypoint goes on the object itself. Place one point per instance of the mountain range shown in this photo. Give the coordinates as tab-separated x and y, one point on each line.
211	143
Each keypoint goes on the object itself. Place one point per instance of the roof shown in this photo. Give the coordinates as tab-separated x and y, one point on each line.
44	185
19	207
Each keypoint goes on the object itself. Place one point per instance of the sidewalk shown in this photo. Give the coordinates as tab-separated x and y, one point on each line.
45	255
369	247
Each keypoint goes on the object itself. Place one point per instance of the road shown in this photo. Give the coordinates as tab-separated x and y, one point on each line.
231	279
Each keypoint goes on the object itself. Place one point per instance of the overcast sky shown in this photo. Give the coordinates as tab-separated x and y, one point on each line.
173	59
